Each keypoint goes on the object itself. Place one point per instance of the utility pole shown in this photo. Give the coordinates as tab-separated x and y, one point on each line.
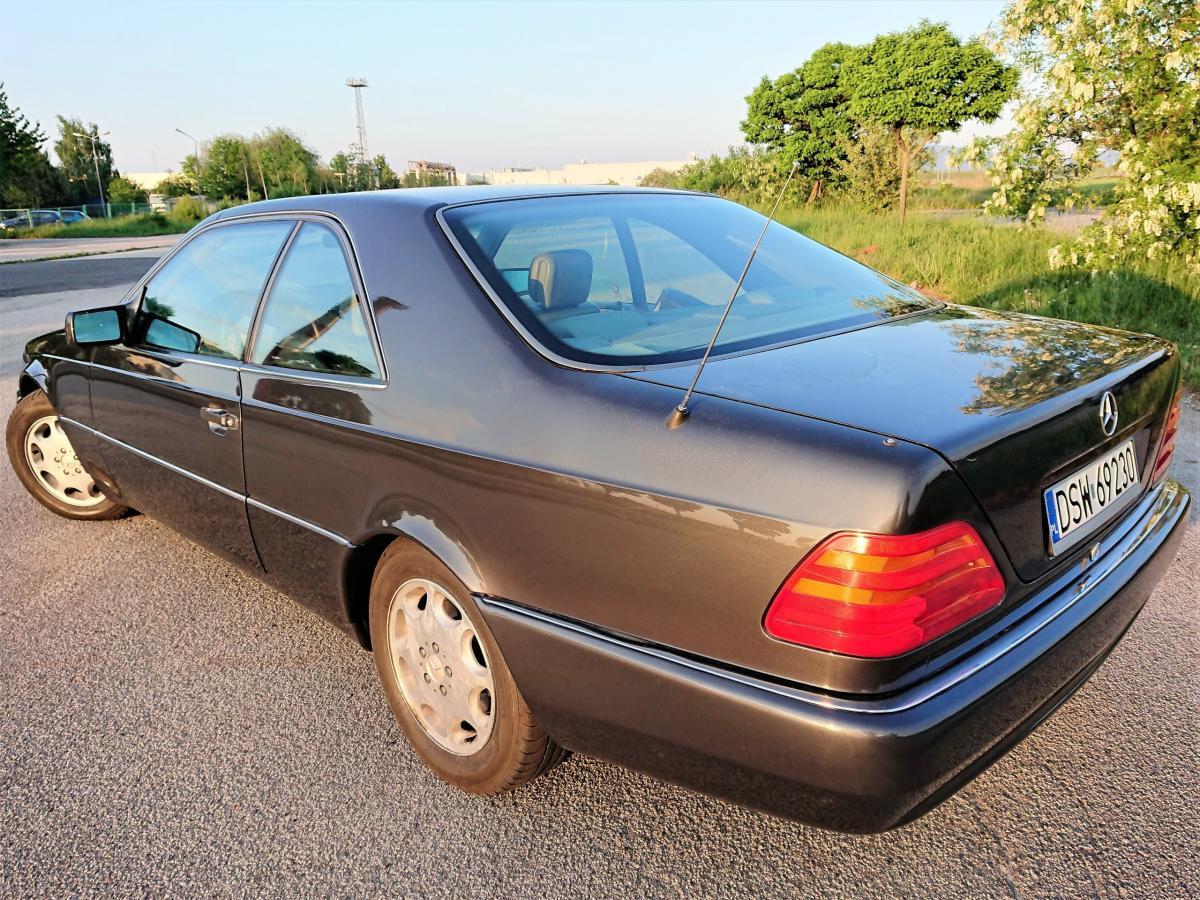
358	84
196	144
93	137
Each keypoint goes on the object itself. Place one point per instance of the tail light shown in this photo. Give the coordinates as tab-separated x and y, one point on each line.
878	595
1166	446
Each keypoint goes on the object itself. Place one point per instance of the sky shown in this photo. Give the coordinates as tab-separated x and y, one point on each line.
479	85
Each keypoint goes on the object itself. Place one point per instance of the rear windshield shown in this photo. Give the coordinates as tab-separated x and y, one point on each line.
642	279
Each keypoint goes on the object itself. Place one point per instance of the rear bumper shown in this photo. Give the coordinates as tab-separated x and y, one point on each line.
847	763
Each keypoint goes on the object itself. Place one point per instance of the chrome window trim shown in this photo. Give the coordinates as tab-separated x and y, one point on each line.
284	374
200	479
133	296
559	360
1153	508
349	256
179	356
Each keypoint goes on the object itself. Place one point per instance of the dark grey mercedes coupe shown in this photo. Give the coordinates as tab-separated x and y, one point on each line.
889	537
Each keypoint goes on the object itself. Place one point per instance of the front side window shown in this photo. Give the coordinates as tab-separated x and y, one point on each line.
203	299
313	320
642	279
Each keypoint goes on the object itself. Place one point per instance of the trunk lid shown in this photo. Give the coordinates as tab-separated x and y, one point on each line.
1011	401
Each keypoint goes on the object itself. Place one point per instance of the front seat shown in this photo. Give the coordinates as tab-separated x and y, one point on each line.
559	283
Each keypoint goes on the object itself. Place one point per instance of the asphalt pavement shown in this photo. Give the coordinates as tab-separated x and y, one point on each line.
170	726
24	249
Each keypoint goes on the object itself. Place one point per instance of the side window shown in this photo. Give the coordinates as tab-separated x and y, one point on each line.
670	262
203	299
610	275
313	320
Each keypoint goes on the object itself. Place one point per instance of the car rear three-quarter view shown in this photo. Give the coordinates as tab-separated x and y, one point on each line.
889	537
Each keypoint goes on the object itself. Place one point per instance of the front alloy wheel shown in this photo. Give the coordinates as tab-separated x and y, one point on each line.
43	458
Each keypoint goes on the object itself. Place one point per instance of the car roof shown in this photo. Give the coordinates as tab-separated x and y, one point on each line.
427	198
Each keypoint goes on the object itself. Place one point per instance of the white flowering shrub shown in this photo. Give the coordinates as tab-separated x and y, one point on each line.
1105	75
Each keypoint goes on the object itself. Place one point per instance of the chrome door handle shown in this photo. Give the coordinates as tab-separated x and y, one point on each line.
219	420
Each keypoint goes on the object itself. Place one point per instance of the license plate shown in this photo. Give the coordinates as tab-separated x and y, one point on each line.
1075	504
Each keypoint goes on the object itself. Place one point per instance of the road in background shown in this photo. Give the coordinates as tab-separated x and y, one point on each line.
168	724
26	249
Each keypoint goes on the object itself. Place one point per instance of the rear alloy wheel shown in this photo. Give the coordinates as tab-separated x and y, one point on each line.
44	460
446	682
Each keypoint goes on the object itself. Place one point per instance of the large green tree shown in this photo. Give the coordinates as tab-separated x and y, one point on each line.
804	114
920	82
75	160
26	176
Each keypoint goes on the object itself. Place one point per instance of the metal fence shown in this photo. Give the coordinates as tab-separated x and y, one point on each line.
67	215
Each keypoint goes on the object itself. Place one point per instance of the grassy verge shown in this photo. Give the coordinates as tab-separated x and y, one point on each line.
979	264
142	225
931	194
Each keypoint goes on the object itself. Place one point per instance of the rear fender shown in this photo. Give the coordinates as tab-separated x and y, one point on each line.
403	518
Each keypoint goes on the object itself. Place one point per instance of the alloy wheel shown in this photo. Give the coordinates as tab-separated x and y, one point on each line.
56	467
440	666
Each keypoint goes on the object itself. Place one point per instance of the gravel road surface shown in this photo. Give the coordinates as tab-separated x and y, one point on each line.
169	726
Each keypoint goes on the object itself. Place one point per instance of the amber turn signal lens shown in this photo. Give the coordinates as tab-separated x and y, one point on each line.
878	595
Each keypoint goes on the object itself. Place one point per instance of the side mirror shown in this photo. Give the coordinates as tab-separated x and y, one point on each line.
166	334
92	327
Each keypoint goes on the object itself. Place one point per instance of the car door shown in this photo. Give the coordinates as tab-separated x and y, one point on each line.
313	363
167	402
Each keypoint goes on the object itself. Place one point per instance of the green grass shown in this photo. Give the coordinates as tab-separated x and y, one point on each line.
931	194
141	225
976	263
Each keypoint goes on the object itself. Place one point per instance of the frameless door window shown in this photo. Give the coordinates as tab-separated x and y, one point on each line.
203	299
313	320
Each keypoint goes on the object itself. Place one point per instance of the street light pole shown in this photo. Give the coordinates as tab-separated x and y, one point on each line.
96	159
196	143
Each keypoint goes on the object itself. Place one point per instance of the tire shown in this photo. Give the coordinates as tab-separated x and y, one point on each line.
77	496
514	749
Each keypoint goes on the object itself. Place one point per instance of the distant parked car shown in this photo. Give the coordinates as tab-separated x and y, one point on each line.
32	219
70	216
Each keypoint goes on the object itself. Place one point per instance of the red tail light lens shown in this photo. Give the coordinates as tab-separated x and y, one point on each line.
878	595
1166	446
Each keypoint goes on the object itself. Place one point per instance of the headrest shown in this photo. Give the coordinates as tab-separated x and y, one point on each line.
560	279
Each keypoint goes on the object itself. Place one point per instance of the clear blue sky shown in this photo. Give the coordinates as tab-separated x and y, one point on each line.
480	85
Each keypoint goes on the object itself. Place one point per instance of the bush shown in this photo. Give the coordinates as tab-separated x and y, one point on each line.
122	190
189	209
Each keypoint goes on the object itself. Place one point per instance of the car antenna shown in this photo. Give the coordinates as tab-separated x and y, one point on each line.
680	413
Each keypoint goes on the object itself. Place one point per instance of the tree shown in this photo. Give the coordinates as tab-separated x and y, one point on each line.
122	190
287	166
804	115
659	178
226	168
26	176
869	169
386	177
76	162
920	82
1110	76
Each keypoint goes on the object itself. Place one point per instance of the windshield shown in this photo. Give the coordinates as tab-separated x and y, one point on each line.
642	279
